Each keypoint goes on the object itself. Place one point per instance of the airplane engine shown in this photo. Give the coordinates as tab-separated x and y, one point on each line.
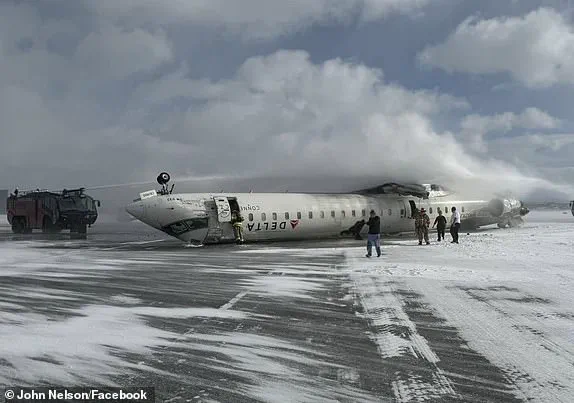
502	207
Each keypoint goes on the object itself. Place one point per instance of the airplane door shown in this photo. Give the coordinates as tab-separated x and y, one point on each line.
223	209
405	222
414	208
403	209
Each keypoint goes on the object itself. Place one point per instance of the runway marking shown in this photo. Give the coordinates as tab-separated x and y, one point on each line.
233	300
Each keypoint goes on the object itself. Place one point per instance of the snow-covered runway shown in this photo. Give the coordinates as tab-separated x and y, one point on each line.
507	295
490	319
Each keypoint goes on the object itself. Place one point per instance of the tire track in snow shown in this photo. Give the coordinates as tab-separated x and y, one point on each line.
396	336
494	329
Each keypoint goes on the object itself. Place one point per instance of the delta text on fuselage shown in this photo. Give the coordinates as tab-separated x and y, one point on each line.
205	218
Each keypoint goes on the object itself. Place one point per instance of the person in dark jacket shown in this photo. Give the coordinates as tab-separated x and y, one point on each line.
440	222
374	235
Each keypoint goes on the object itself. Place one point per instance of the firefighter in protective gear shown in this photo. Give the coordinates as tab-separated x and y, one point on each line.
237	222
422	226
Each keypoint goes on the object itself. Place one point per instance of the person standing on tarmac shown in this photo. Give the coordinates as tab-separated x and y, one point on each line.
237	222
374	235
422	226
440	222
454	225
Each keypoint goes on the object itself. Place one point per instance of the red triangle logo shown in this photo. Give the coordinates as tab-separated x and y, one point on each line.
294	223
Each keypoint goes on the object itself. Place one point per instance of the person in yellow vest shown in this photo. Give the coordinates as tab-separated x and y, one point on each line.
237	222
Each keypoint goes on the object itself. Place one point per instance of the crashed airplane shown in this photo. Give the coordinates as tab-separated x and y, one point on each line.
205	218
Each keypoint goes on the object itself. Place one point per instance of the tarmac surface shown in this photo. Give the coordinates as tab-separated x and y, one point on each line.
130	307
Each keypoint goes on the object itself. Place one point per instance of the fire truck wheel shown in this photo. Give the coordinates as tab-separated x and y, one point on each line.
47	225
17	226
78	231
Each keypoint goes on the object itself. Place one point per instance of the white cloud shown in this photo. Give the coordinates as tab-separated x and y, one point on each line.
475	127
542	154
536	49
254	19
120	53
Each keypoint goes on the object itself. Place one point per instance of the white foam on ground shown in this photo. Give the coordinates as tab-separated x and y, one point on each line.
509	292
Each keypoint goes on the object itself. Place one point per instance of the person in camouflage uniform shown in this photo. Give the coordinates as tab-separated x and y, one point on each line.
237	222
422	226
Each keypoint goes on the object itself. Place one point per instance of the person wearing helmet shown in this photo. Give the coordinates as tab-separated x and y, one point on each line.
422	226
237	222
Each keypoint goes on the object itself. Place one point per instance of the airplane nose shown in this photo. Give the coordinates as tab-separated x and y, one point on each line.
136	209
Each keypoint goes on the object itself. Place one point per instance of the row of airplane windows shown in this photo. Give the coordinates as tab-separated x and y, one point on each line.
322	214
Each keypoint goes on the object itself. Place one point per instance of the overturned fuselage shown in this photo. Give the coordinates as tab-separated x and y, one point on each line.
206	217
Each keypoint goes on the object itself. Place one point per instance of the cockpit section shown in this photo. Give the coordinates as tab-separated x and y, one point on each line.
177	215
180	227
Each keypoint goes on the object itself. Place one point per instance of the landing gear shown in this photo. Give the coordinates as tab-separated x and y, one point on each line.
19	225
516	222
511	222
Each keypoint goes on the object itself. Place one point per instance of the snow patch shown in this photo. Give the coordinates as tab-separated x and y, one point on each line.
84	346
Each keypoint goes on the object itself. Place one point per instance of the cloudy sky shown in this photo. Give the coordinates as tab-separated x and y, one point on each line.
98	92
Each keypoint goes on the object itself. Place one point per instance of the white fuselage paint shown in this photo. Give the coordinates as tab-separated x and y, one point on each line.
291	216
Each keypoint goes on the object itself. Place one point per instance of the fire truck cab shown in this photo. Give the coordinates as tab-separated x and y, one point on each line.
52	212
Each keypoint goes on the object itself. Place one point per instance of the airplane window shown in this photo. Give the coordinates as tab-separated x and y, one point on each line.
286	216
310	214
353	213
299	215
250	216
274	216
343	213
263	217
196	223
322	214
390	212
402	212
178	227
430	210
333	213
363	212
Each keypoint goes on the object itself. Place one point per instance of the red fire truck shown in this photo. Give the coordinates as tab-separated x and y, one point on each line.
52	212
